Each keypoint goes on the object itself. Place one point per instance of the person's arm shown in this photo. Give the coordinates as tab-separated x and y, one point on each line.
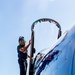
25	48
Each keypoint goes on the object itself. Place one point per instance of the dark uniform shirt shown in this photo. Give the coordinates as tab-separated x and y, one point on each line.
21	55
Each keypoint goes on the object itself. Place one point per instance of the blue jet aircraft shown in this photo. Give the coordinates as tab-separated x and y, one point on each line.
58	60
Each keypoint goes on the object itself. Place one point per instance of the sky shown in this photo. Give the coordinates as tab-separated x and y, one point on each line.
16	18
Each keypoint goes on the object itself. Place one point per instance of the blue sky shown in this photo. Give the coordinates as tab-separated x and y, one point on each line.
16	18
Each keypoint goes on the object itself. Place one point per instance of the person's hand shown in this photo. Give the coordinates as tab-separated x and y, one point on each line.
30	41
32	58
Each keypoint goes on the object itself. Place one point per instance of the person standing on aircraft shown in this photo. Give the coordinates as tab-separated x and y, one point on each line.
22	55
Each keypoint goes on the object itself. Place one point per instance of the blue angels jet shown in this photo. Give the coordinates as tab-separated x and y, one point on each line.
58	60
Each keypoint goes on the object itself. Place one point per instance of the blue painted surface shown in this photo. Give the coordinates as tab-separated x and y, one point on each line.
62	63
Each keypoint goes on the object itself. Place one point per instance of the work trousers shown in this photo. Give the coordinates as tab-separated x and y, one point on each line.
23	66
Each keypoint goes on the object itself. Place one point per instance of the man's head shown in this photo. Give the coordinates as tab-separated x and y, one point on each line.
22	41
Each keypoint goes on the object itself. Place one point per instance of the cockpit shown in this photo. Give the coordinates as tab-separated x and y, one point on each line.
45	56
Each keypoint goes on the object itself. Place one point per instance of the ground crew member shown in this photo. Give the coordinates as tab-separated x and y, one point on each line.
22	55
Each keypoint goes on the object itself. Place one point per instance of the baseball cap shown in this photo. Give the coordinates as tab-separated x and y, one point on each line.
21	38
